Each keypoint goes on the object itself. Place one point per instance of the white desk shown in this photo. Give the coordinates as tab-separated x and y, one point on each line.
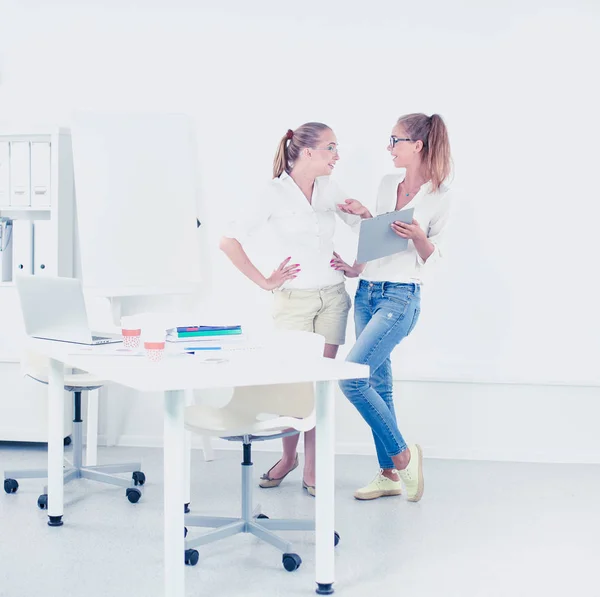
174	375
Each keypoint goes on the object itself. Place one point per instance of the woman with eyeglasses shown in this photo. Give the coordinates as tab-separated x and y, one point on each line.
299	206
388	298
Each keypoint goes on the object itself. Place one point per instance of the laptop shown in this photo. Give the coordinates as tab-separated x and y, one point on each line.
377	239
54	309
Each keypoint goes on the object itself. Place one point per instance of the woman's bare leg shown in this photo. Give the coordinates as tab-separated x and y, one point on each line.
290	443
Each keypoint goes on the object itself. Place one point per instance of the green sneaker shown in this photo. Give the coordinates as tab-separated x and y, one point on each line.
412	475
380	486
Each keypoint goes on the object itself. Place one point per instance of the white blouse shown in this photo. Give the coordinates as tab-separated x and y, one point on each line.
303	231
432	211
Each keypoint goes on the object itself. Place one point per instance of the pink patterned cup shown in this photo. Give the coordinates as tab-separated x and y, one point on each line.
131	338
155	350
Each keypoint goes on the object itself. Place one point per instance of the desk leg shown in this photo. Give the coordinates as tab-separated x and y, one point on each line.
325	480
189	401
91	440
111	407
56	431
174	477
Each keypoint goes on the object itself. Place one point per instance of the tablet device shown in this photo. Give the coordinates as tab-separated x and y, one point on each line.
377	239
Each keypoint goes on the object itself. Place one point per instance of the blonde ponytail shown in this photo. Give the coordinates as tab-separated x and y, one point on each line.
438	156
280	162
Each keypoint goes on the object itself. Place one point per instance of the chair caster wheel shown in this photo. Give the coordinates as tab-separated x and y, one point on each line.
186	508
43	501
67	441
11	485
138	478
185	532
262	516
336	538
191	557
291	561
133	494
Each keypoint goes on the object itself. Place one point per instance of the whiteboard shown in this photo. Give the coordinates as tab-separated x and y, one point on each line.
136	195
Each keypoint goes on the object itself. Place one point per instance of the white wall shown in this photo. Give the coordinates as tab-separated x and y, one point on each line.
517	300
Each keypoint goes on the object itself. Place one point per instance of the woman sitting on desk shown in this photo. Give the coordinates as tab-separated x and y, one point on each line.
387	301
300	205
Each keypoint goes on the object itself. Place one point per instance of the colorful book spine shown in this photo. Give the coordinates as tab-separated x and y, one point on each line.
209	328
200	334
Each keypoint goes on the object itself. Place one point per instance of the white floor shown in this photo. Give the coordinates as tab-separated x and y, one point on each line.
482	530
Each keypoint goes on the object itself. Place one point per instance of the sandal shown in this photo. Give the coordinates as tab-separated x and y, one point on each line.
309	488
267	481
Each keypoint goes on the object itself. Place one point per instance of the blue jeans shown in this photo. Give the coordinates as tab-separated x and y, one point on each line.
384	314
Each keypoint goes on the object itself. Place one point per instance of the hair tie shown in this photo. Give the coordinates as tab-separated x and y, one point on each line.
289	134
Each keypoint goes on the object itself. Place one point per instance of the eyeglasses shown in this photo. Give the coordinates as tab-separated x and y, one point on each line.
332	148
394	140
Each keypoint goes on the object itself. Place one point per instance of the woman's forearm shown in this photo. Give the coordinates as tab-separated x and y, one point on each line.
234	250
424	248
359	267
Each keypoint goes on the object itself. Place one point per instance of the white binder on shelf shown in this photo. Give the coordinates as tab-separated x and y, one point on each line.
5	250
43	261
22	247
4	174
40	174
20	195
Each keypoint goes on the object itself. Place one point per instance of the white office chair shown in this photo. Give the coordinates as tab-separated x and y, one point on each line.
36	366
256	413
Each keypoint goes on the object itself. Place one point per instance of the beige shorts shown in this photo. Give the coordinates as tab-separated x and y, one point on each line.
323	311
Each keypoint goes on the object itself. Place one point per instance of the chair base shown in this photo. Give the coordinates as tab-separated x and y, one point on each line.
103	473
252	521
259	525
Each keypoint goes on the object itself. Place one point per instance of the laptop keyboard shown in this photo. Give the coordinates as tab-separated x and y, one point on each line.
99	338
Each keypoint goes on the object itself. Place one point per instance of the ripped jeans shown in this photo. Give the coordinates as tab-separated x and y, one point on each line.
384	314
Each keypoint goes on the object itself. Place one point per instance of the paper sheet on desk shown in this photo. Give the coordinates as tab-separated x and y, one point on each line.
176	349
208	357
109	350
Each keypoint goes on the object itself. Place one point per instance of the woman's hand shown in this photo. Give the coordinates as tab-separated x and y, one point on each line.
415	233
354	207
412	231
339	264
281	275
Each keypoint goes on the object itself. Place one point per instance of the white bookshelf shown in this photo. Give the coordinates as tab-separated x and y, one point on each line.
23	402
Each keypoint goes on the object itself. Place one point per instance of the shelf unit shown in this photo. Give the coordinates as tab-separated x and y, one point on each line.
23	402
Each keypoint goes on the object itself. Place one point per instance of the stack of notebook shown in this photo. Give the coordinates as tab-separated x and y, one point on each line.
202	332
